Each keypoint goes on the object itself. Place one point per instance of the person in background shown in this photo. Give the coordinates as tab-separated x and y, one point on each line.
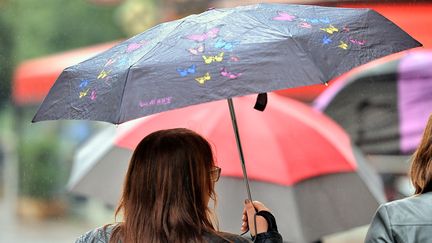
168	185
410	219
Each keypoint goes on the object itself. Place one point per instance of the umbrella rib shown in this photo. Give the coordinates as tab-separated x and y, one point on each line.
121	99
343	59
157	44
133	64
296	42
310	58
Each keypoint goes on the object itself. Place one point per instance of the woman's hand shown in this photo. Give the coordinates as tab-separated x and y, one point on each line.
248	217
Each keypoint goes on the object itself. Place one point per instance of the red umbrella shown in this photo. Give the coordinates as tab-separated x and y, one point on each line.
299	161
33	78
281	134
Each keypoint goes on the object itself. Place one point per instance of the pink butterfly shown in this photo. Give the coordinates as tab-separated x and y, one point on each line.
305	25
196	50
134	46
234	59
110	61
229	75
283	16
212	33
93	95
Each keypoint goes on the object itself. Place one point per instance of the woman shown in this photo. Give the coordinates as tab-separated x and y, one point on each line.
168	185
409	219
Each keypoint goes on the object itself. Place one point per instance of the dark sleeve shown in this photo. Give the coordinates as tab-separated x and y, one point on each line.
269	237
380	229
272	235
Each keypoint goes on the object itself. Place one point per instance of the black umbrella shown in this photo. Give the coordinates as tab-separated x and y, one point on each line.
219	54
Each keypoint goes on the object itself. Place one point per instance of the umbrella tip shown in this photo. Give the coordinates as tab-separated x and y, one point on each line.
326	84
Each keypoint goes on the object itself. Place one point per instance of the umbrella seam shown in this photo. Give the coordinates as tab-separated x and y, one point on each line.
332	74
121	99
157	44
290	35
132	65
297	212
299	46
308	54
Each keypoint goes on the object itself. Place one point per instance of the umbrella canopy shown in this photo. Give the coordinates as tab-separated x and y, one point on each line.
33	78
303	167
221	53
384	108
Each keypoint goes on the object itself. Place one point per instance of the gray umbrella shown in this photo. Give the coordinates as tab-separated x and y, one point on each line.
312	208
219	54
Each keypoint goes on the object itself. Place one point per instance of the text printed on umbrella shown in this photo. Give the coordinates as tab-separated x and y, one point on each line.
158	101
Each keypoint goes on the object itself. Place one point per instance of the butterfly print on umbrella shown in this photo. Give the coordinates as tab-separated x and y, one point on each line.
197	50
184	72
211	34
203	79
224	72
209	59
283	16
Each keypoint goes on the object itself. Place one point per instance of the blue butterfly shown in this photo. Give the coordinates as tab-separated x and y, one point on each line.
314	21
227	45
326	40
84	83
325	20
122	61
185	72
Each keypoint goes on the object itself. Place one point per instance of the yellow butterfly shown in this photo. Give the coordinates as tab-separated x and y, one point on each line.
219	57
210	59
103	74
83	93
343	45
331	29
204	78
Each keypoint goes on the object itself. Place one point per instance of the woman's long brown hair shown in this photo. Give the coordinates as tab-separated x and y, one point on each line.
421	164
166	190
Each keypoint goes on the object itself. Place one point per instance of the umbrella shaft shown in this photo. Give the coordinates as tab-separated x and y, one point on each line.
239	147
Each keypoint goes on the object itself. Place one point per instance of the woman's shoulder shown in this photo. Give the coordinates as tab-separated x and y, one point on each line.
409	210
98	235
412	201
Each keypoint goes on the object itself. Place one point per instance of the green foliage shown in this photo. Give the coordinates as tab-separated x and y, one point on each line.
6	63
35	28
30	29
41	169
48	26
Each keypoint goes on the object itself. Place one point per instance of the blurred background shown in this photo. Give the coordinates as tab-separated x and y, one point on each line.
38	39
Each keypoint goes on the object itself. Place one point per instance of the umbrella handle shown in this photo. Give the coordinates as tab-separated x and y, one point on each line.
239	147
